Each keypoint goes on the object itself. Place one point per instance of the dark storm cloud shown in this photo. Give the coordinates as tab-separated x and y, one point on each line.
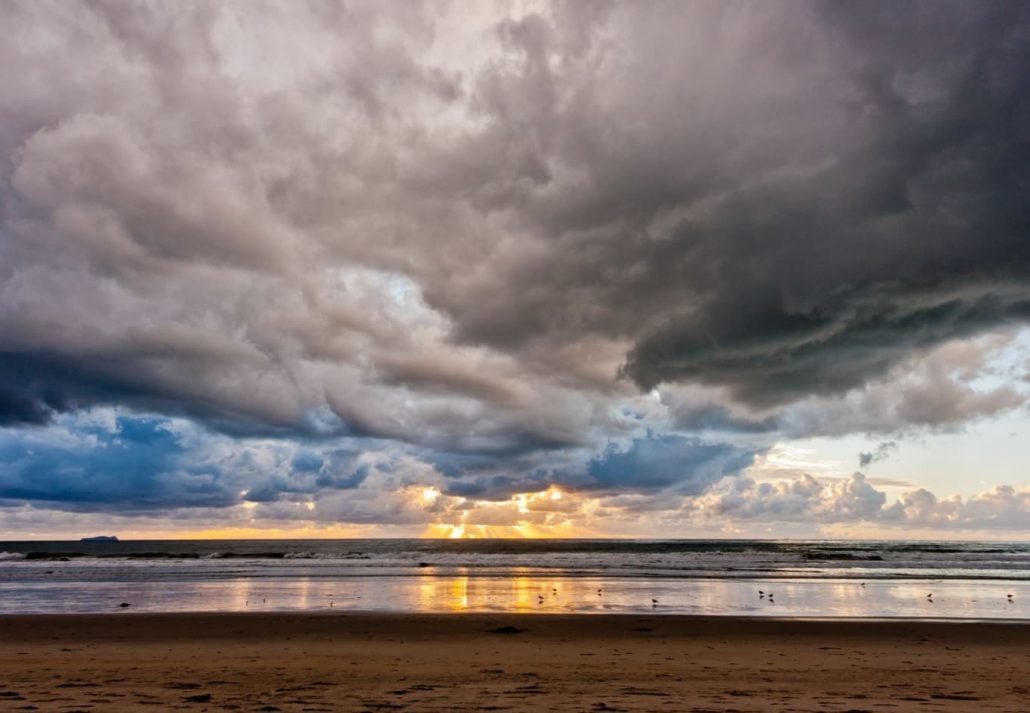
775	355
774	228
35	386
938	391
450	229
19	408
702	416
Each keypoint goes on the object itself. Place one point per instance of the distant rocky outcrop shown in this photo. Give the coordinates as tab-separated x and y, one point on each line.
100	538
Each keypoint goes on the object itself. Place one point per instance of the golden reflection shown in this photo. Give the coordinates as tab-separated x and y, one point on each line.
439	593
524	590
458	595
426	592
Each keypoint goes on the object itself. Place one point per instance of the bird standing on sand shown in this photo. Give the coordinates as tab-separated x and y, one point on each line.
654	603
1009	596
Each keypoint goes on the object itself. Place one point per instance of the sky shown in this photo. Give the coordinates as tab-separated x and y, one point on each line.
570	269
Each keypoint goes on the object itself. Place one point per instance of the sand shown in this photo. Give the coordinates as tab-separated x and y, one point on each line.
373	662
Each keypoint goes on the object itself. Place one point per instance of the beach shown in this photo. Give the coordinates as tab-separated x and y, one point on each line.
443	662
810	579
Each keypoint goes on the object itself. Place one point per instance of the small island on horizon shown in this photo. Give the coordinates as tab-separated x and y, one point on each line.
100	538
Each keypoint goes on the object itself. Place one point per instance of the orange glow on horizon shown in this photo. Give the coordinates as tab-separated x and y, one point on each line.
548	513
332	532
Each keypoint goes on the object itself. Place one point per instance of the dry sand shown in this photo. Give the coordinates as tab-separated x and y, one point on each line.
299	662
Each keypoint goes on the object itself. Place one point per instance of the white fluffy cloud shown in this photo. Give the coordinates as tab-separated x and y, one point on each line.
856	501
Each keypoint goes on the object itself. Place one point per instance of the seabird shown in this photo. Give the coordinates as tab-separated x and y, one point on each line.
654	603
1009	596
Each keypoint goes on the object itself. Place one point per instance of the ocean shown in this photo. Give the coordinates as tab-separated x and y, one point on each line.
833	579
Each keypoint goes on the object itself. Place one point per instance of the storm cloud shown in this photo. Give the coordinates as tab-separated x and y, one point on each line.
610	246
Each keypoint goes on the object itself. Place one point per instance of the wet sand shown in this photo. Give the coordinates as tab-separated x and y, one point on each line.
411	662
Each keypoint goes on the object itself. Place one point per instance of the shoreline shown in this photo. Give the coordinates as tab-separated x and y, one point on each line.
171	590
705	621
328	661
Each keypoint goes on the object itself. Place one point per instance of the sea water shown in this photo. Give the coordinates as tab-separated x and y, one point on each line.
940	580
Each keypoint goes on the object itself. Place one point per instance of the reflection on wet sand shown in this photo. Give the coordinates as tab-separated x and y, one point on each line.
531	592
441	594
240	593
459	594
519	592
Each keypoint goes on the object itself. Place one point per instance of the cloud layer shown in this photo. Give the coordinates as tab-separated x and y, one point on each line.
139	474
477	238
